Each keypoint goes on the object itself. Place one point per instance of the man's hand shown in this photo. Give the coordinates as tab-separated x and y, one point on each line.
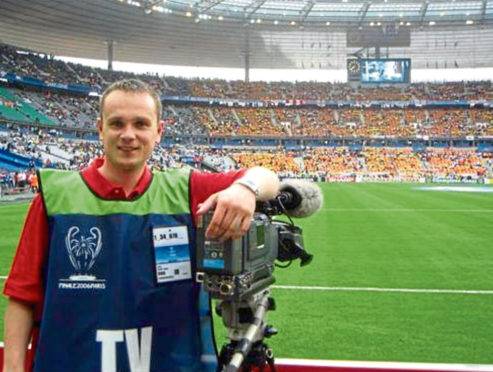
234	208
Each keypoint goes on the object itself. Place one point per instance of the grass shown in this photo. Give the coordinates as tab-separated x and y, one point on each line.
11	221
391	236
382	236
382	327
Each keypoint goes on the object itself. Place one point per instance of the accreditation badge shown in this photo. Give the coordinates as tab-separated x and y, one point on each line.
172	253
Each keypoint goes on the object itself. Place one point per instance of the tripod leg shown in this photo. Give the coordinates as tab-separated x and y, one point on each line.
269	358
225	356
271	365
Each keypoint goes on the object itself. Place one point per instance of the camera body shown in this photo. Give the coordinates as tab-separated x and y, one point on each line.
236	269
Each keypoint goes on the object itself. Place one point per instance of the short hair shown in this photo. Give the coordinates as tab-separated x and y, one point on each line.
132	86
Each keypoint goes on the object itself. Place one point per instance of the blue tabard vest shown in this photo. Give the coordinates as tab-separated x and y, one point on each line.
109	304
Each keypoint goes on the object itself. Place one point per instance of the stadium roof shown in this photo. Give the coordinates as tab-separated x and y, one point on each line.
318	12
232	33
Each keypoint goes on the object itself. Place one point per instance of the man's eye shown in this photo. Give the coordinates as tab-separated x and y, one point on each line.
116	124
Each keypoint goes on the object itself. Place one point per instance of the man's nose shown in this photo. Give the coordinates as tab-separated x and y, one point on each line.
128	132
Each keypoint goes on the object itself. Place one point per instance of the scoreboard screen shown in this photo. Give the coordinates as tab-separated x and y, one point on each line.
385	70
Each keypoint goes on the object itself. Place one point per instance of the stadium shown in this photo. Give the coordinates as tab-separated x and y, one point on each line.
397	132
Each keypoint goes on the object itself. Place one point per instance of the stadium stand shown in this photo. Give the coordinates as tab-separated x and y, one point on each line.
268	124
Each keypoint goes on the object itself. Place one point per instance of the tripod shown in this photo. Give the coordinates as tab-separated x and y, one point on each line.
245	321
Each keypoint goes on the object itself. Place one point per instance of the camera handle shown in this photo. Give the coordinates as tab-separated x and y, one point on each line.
245	321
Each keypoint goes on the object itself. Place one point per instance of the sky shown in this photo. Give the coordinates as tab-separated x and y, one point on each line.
417	75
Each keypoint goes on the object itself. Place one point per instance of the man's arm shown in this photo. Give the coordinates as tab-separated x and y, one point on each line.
18	325
266	181
24	286
235	205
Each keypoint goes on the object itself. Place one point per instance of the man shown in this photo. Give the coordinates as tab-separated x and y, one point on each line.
103	274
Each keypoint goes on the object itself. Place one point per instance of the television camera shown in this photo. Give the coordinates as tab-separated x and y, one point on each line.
239	272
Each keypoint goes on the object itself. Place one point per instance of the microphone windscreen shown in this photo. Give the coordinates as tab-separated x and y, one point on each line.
311	195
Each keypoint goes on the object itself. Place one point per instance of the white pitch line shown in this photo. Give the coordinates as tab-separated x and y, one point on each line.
406	210
372	289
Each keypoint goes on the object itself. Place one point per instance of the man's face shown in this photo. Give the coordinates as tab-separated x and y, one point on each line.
129	129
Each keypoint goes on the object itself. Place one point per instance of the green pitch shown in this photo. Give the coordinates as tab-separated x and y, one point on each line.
395	271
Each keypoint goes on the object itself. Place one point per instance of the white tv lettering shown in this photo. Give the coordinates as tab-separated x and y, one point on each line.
108	341
139	358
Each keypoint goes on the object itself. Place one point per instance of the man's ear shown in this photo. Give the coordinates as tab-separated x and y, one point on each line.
160	129
99	124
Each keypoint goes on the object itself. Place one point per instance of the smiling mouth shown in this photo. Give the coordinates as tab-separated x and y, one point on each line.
127	149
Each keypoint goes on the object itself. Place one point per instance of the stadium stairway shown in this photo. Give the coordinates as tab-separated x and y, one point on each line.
55	155
238	120
211	115
300	163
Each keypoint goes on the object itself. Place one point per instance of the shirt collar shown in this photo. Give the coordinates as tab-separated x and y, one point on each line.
108	190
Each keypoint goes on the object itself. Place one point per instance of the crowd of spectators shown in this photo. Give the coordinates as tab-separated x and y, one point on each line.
54	151
397	164
403	164
80	112
334	161
283	162
179	120
456	161
50	70
258	122
217	121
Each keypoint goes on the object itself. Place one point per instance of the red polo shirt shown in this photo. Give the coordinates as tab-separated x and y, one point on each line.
25	281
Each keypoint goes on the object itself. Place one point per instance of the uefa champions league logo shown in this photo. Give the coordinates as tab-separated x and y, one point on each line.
82	251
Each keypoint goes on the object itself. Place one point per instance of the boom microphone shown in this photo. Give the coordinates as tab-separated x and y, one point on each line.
298	198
